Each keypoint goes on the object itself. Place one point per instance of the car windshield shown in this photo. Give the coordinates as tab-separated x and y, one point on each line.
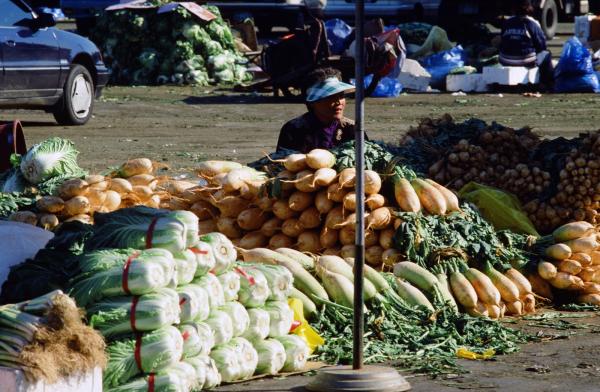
13	13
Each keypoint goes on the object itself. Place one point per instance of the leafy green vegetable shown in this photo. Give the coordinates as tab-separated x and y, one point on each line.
50	158
12	202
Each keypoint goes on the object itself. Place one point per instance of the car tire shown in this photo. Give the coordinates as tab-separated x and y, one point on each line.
77	102
549	18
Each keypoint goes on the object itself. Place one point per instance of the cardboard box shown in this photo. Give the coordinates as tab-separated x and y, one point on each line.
13	380
511	76
466	83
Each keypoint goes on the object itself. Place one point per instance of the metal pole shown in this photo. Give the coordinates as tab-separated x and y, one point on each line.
358	332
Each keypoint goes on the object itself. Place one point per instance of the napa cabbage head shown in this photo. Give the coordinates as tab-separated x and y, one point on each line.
51	158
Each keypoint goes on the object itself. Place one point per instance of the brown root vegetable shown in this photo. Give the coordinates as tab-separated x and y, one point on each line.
348	251
391	256
97	181
265	203
334	218
142	192
135	166
286	178
324	177
282	210
47	221
24	217
332	252
51	204
300	201
347	235
112	201
292	227
347	178
254	239
252	219
204	210
280	240
310	218
230	206
328	237
386	238
349	201
308	241
175	187
336	193
153	202
372	182
142	179
371	238
323	203
77	205
207	226
83	218
375	201
73	187
120	185
271	227
96	198
229	227
380	219
319	159
373	255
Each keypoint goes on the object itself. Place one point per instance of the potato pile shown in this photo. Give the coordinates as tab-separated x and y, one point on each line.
78	199
578	192
498	158
572	263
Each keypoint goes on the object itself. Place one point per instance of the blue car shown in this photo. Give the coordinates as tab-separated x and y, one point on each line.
47	68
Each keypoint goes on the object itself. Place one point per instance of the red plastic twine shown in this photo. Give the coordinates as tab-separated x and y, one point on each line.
137	353
134	303
150	233
199	251
125	278
249	278
151	382
185	335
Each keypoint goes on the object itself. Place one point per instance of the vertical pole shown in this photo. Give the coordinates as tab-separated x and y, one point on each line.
358	331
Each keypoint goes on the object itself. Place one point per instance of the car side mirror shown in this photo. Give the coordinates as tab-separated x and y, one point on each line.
44	19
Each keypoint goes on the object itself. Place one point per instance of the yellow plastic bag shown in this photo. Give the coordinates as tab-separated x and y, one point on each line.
467	354
303	329
500	208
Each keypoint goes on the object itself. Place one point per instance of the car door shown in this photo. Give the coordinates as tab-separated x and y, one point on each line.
30	55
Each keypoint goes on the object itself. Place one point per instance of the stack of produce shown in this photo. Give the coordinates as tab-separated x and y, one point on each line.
173	304
46	338
142	46
311	207
572	263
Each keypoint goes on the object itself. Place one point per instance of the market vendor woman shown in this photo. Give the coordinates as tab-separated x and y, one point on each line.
324	125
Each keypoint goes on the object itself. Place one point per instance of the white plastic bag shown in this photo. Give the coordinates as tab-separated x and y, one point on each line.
19	241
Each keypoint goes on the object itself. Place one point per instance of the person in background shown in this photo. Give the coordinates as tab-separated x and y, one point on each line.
523	43
324	125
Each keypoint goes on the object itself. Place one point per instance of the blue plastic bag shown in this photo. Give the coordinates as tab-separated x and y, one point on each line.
386	88
577	84
337	32
575	59
440	64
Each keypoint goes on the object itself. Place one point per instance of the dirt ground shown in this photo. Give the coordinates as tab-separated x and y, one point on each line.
180	126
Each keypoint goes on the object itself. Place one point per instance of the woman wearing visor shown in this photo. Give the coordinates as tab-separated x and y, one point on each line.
324	125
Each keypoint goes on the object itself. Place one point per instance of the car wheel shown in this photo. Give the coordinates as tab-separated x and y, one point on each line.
76	105
549	18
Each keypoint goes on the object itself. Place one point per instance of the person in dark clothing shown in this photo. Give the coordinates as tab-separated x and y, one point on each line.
324	125
523	43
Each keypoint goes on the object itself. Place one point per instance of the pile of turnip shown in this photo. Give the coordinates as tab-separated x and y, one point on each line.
79	198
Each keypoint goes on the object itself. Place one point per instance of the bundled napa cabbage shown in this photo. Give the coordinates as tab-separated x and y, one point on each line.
147	312
281	318
205	366
228	362
164	381
223	251
254	288
139	228
239	317
193	303
231	285
221	325
279	279
271	356
190	220
247	357
54	157
214	289
296	352
205	259
198	339
185	266
152	352
259	326
114	272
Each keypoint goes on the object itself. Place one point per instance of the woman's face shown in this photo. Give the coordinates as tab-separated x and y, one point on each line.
330	109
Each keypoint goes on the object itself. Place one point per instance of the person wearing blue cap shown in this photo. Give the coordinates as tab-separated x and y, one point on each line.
324	125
